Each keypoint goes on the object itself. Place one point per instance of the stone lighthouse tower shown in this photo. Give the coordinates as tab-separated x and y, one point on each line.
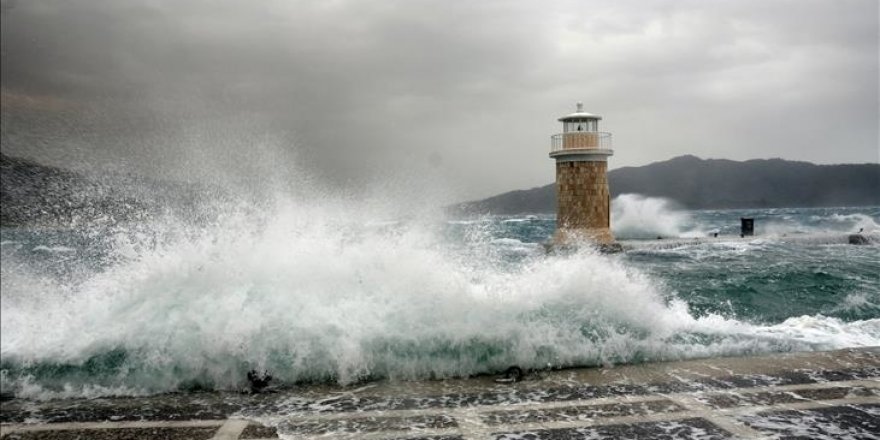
581	151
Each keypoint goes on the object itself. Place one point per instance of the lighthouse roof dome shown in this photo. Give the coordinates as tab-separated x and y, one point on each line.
579	114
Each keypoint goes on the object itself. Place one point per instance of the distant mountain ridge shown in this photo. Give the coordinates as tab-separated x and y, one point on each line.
715	184
36	194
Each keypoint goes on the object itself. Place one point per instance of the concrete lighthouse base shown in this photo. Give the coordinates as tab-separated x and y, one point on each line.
566	242
595	236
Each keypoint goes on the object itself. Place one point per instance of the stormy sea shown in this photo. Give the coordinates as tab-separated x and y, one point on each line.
318	291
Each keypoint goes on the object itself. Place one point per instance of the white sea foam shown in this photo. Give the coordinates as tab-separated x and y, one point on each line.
53	249
830	225
848	222
310	295
857	301
634	216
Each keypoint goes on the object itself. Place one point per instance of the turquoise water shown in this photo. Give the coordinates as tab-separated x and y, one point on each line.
313	292
799	262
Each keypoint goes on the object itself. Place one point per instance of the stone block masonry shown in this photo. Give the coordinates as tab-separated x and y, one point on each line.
583	201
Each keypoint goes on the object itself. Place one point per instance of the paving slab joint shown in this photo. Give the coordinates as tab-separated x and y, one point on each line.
470	423
708	413
230	430
71	426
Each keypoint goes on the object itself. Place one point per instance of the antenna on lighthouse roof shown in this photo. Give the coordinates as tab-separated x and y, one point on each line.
580	107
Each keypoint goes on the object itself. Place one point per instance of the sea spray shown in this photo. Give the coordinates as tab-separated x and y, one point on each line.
314	298
634	216
318	290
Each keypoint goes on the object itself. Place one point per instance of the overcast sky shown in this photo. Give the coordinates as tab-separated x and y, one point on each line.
467	90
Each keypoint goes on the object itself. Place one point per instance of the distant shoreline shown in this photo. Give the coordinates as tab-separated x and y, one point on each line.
716	184
33	194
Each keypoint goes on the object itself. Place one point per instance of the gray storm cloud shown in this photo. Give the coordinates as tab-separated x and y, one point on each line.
469	91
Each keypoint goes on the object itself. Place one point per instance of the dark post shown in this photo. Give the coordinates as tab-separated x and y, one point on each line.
748	226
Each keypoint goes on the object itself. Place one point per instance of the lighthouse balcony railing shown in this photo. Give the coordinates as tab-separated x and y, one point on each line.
580	140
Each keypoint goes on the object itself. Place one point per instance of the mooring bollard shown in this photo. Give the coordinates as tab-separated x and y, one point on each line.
747	227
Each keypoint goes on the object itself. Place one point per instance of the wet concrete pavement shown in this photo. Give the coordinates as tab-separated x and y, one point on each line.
834	395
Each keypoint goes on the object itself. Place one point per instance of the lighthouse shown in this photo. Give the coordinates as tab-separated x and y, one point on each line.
583	200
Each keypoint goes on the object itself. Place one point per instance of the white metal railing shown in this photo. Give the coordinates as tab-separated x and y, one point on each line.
580	140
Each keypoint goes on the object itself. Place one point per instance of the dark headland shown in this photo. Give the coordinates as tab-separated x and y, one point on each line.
697	183
34	194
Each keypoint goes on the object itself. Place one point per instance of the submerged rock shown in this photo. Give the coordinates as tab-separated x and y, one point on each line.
551	248
511	375
858	239
258	381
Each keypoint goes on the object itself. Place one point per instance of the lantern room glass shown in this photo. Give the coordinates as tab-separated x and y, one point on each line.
582	125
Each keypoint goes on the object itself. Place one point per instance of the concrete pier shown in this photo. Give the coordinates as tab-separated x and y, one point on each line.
817	395
803	239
